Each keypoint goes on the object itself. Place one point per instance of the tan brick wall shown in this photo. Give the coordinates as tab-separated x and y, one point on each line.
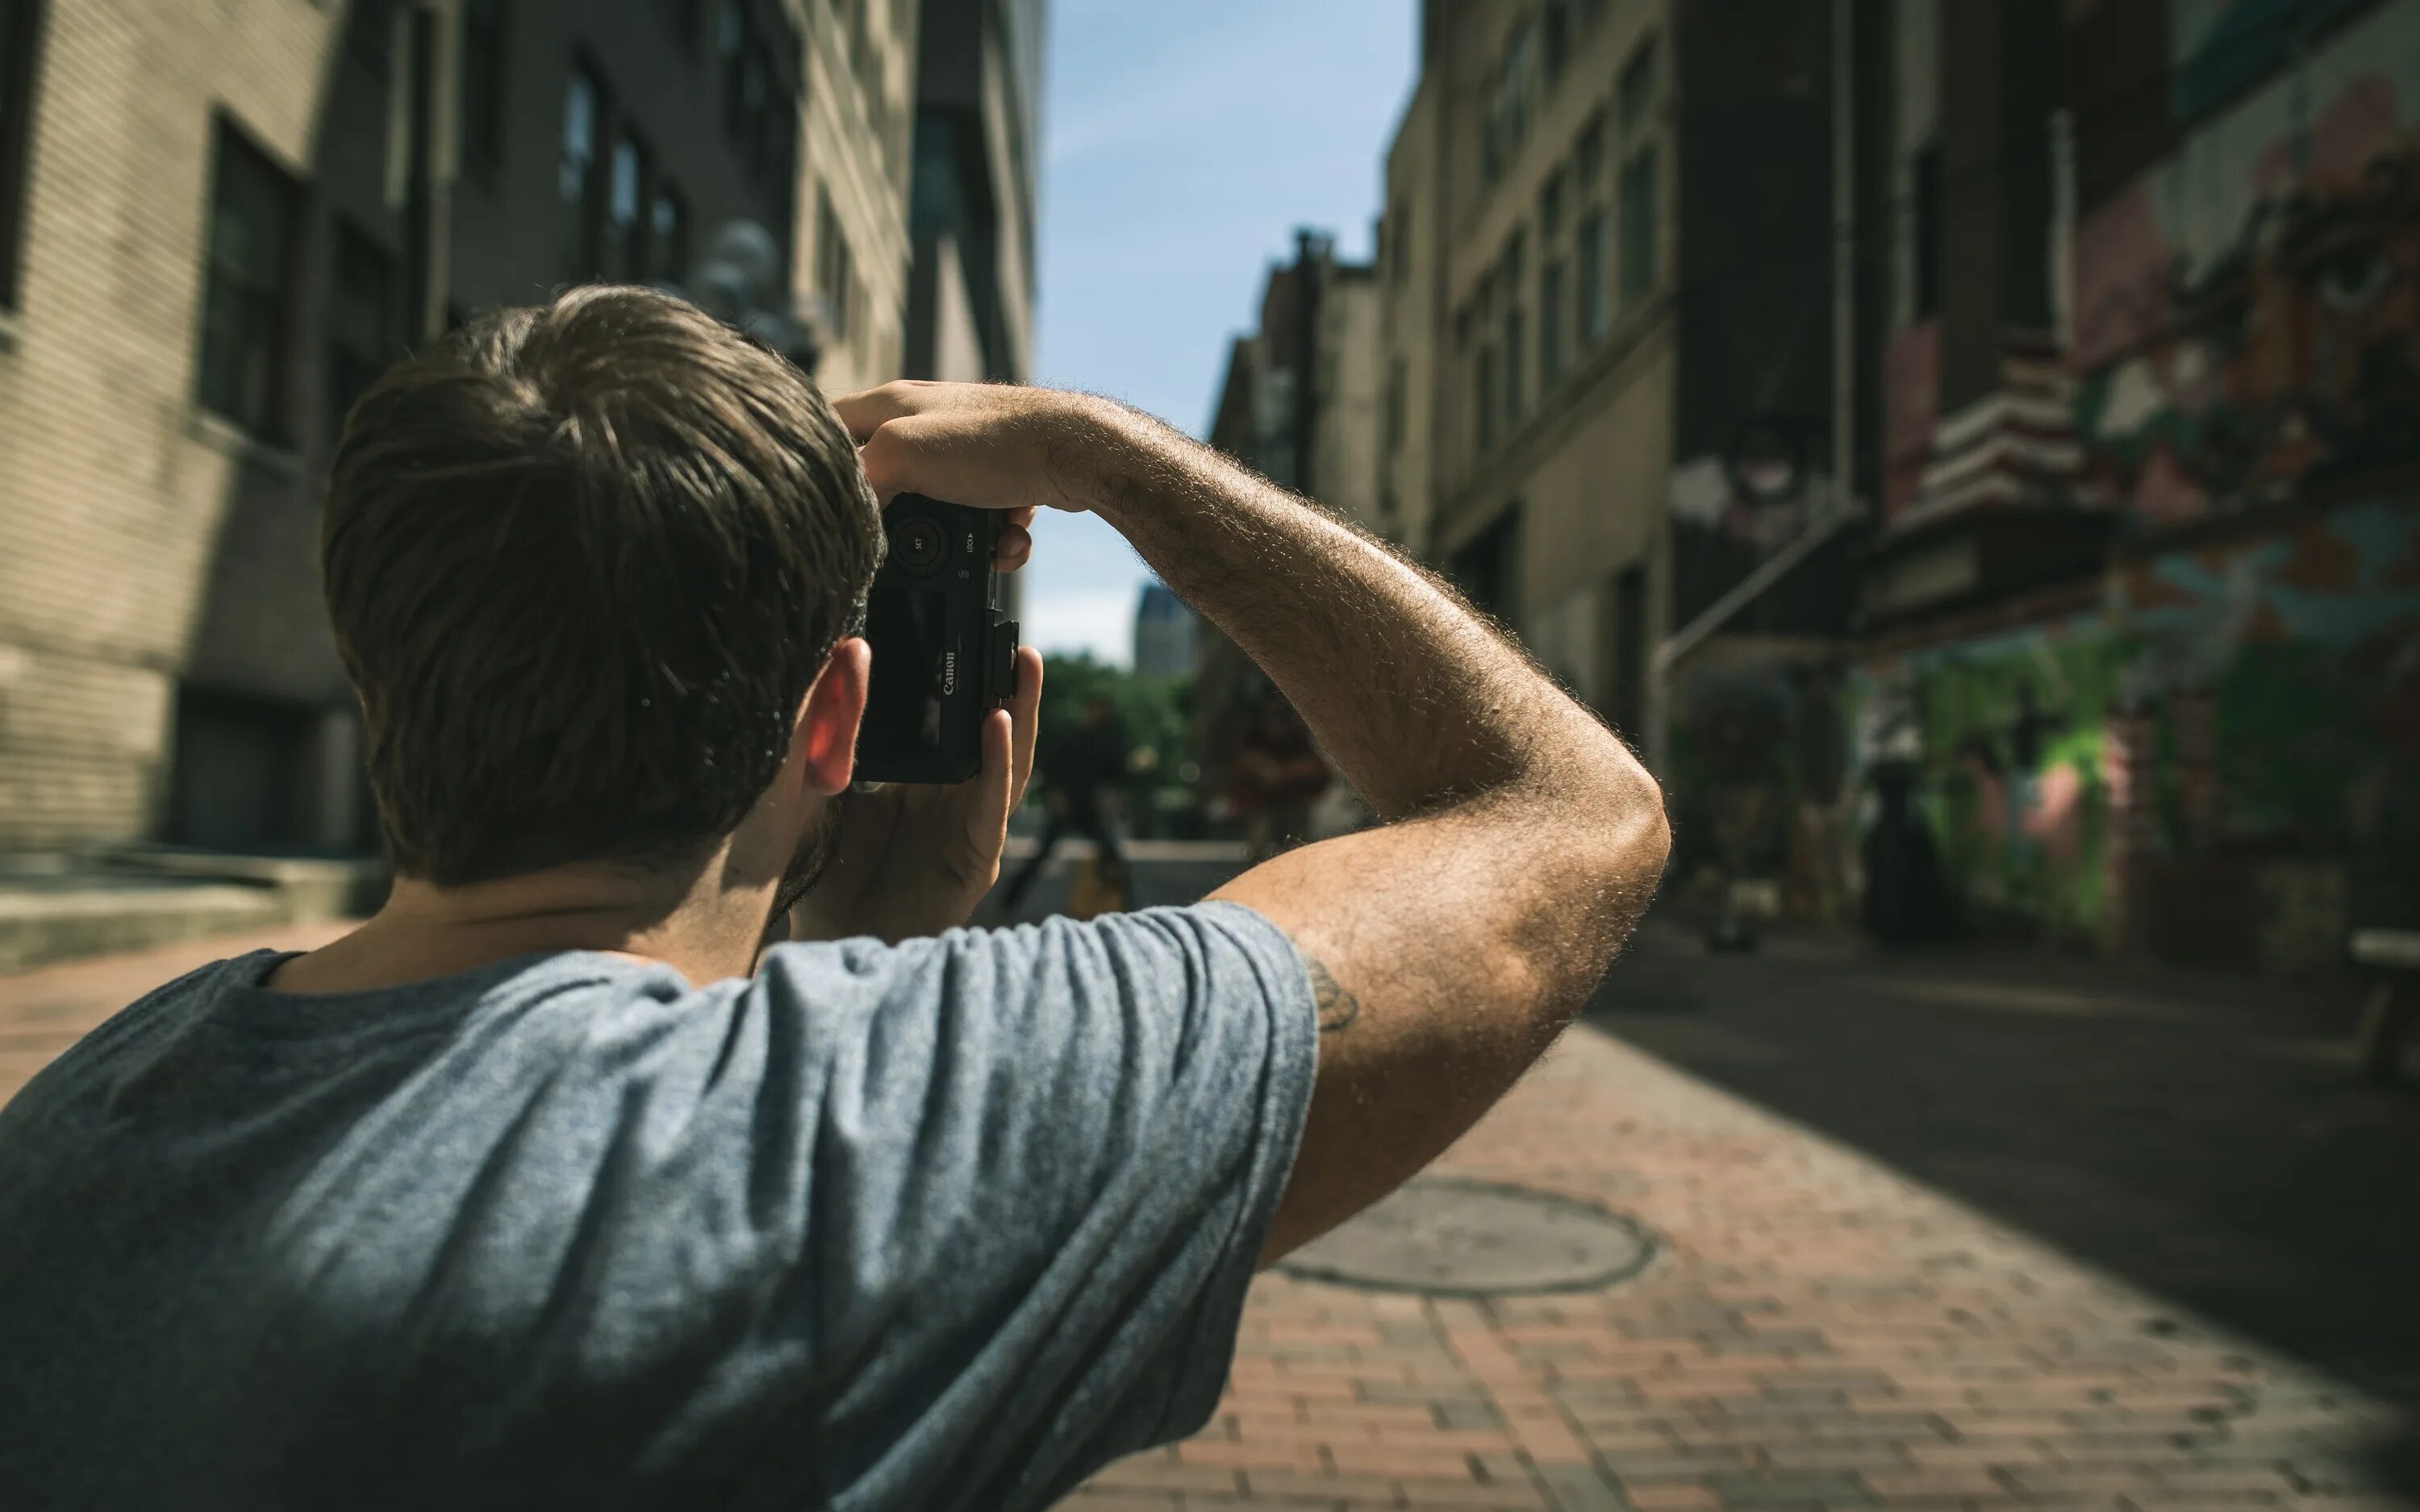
1588	459
112	490
142	541
860	134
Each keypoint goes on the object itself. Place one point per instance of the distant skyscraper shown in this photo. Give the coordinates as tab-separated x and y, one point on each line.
1165	633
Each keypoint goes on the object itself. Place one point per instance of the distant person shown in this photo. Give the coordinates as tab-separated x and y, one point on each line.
551	1187
1277	776
1081	775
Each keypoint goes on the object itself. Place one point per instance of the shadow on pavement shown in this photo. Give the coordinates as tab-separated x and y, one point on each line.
2206	1140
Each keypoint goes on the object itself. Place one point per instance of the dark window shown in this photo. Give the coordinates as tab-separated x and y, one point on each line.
1489	568
577	178
1639	225
1514	398
1555	27
1588	251
668	235
684	17
1550	205
1395	401
625	202
361	338
1485	398
1550	326
1588	159
834	274
241	780
483	82
1638	87
760	92
1924	253
1399	243
735	40
255	207
21	36
1626	708
371	39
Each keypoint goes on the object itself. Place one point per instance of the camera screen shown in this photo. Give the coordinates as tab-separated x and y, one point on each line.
909	631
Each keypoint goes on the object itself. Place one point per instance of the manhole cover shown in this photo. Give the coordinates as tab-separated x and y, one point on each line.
1476	1238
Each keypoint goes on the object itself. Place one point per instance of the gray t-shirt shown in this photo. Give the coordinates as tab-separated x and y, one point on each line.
936	1226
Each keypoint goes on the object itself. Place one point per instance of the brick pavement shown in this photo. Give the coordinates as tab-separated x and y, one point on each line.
44	1011
1814	1333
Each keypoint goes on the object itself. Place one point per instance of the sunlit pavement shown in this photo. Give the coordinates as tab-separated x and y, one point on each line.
2024	1233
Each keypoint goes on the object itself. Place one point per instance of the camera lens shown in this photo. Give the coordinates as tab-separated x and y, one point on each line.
918	544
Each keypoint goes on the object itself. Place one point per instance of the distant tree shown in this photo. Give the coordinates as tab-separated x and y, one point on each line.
1154	713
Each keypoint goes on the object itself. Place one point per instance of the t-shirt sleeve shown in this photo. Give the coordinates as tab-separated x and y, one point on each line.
1045	1162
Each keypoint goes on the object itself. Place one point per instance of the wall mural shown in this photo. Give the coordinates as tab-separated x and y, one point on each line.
2256	698
2247	315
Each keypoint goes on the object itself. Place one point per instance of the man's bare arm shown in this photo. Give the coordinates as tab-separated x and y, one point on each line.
1521	841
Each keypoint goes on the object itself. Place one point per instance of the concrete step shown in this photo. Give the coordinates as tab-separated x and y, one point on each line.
59	907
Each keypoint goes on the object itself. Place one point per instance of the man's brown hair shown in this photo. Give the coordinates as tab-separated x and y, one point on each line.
583	562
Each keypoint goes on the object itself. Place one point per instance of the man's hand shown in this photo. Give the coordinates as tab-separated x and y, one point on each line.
985	445
916	859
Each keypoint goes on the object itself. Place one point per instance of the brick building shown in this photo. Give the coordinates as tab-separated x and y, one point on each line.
218	221
1300	403
1606	257
2145	609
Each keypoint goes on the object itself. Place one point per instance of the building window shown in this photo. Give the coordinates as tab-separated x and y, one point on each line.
1550	207
1550	326
834	276
760	92
683	16
1483	398
1638	87
1924	253
361	320
483	82
1510	90
1588	159
668	235
21	36
1513	397
1638	224
1555	27
371	35
1588	255
625	199
256	207
1399	243
744	82
1395	402
576	180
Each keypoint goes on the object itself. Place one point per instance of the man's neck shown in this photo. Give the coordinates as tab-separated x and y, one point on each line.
702	929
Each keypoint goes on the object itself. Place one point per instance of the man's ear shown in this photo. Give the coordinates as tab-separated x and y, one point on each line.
825	741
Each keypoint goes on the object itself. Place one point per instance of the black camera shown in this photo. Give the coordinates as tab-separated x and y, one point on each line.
944	655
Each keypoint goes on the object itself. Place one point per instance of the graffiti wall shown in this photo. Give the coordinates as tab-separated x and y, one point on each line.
1758	772
2007	733
2258	700
2247	314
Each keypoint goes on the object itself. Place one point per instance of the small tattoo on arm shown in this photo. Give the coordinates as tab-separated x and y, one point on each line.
1338	1007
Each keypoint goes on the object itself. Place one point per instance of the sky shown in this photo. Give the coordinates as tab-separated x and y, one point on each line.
1183	141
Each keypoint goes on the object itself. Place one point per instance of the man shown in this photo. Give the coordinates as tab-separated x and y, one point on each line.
1278	775
1087	766
544	1189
